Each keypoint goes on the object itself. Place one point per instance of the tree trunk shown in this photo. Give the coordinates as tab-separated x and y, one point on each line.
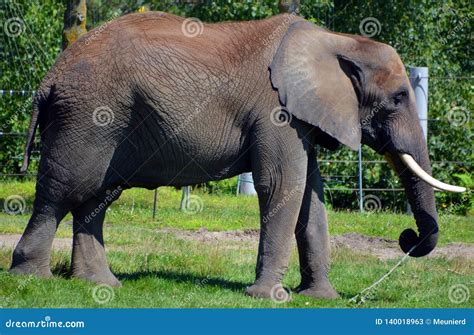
289	6
74	22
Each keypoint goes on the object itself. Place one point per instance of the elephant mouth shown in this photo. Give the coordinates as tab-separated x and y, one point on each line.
417	170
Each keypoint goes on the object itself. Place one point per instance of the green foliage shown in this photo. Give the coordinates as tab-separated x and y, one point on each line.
436	35
30	40
425	33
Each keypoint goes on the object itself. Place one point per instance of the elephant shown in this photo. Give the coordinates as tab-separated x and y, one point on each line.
152	99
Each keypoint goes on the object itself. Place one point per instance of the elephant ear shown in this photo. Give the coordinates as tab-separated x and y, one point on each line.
317	83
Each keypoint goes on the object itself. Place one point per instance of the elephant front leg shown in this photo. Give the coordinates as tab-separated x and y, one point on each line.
280	178
88	253
313	239
279	209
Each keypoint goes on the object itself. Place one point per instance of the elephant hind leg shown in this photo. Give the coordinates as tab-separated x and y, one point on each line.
88	253
33	251
313	239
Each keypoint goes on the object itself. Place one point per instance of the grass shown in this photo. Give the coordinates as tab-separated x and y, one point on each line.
160	270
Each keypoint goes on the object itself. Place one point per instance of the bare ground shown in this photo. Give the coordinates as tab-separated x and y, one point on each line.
381	248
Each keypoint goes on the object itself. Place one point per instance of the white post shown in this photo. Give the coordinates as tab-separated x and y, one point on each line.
245	184
419	83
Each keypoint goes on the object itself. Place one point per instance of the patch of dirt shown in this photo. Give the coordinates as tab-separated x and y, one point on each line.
385	249
11	240
204	235
381	248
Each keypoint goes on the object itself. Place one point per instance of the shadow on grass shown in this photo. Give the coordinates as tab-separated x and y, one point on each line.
186	278
62	268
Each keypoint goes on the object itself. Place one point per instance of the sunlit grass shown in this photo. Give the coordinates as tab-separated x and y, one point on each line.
167	272
227	212
161	270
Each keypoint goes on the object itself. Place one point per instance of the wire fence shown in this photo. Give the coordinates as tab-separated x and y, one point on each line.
334	182
351	181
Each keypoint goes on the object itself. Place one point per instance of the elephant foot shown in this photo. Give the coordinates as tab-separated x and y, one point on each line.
102	277
23	265
322	290
274	292
31	269
89	260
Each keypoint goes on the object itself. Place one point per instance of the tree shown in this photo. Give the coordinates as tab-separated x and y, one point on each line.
289	6
74	22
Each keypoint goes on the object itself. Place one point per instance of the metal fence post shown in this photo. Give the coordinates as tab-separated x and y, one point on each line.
361	197
154	203
419	83
185	197
245	184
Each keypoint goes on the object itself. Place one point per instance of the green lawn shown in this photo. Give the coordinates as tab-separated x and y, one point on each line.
160	270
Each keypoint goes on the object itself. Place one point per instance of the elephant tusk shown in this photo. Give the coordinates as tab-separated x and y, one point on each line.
418	171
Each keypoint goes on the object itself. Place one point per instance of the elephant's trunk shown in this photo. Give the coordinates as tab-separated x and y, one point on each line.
422	201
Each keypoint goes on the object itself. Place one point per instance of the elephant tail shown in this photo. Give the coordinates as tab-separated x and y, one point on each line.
39	103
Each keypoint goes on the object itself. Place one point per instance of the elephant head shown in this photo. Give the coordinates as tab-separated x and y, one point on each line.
356	90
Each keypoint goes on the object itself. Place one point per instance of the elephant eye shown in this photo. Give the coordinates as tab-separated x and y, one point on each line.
399	97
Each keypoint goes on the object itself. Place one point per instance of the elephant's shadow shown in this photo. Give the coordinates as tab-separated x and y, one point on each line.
203	281
179	277
63	270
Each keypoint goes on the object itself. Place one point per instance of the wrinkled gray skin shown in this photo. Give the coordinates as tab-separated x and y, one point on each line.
188	110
